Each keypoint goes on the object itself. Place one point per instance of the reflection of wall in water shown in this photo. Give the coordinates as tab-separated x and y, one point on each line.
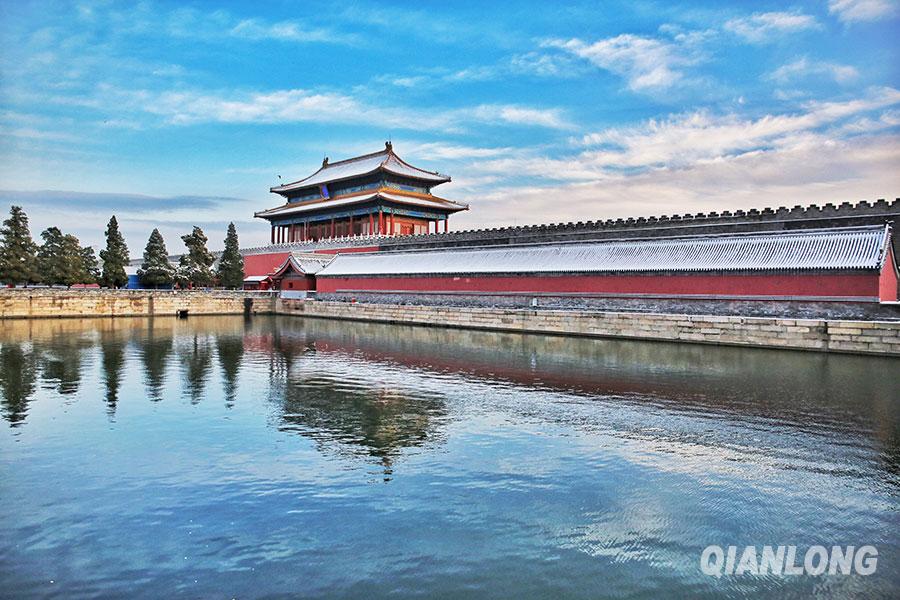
792	387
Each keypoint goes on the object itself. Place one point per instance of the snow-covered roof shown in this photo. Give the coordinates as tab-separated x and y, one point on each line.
843	248
308	262
255	278
384	160
415	200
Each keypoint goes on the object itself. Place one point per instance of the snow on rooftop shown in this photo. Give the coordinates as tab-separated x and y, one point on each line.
363	165
846	248
302	207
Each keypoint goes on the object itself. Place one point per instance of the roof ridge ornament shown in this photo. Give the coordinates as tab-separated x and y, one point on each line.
389	146
324	162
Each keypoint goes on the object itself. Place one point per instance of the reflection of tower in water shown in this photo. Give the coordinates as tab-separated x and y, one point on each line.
353	419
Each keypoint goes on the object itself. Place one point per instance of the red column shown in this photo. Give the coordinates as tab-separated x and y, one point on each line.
272	235
371	224
446	224
392	222
332	228
380	221
351	225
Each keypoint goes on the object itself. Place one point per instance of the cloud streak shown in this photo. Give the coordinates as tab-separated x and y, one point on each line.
803	68
307	106
645	63
764	27
854	11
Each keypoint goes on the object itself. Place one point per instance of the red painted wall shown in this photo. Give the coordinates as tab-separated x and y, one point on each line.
887	283
807	285
296	282
263	264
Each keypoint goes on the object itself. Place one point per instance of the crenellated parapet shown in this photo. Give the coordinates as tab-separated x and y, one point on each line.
738	221
845	214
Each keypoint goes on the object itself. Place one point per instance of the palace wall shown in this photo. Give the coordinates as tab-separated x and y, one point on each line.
739	221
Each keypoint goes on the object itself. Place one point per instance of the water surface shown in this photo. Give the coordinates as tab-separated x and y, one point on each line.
288	457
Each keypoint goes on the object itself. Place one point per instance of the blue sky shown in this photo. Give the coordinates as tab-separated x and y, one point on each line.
174	114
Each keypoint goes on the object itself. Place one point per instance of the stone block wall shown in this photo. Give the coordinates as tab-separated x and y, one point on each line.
859	337
790	309
43	302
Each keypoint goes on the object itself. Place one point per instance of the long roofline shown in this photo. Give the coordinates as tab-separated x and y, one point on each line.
389	194
388	152
852	248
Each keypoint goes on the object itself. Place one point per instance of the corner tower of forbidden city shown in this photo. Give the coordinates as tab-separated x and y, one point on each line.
373	194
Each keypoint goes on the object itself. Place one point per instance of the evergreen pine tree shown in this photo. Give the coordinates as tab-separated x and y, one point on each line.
61	258
50	257
90	270
73	260
184	271
231	265
18	260
195	266
114	256
156	271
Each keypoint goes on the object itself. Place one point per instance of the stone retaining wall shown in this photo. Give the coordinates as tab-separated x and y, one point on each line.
858	337
38	303
782	309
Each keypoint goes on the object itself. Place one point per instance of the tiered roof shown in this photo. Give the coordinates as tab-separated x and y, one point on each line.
360	166
400	196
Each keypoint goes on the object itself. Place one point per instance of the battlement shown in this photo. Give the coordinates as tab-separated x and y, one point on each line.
739	221
782	218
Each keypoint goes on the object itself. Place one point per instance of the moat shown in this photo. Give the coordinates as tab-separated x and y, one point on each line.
292	457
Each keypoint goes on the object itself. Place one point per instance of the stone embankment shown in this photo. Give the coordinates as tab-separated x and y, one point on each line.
858	337
44	302
826	335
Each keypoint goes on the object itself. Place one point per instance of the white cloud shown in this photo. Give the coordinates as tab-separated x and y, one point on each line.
284	31
814	169
762	27
850	11
685	139
528	64
516	115
446	151
219	24
303	106
646	63
803	67
829	151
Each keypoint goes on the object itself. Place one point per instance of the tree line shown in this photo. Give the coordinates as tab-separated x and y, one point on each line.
62	260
